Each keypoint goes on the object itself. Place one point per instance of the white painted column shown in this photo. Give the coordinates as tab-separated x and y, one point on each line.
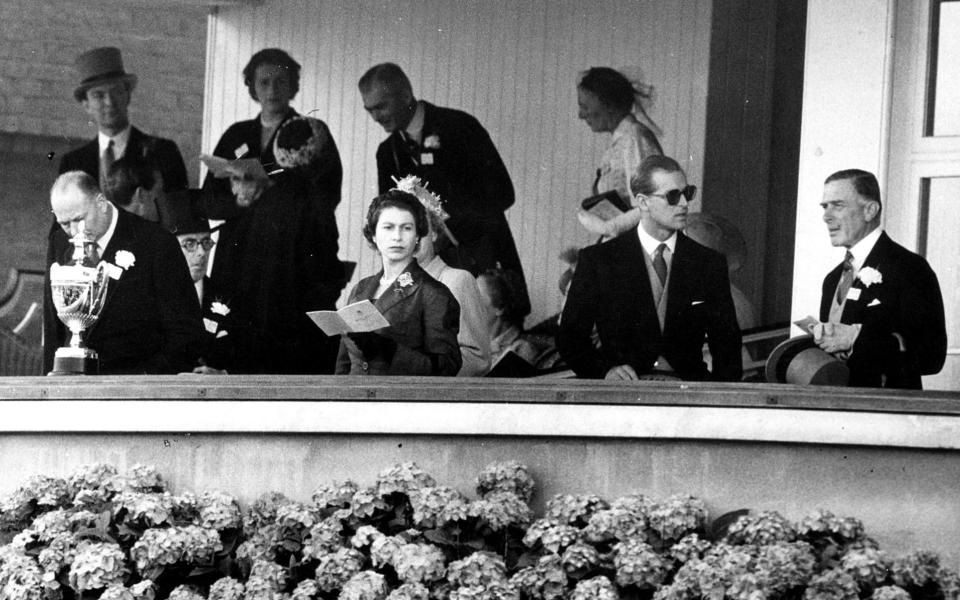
847	82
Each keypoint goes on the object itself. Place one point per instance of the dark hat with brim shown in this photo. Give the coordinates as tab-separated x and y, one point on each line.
100	65
180	212
800	360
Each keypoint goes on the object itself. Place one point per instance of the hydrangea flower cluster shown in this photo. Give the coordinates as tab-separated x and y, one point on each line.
507	476
125	536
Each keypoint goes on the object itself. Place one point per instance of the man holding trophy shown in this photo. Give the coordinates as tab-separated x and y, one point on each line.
120	284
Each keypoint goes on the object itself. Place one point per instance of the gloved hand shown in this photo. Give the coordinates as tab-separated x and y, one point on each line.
373	345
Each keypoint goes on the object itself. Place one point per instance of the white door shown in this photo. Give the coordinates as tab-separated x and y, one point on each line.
922	203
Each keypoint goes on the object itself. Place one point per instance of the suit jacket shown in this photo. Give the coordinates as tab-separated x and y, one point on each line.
165	153
470	177
150	321
276	264
422	337
324	180
908	303
611	290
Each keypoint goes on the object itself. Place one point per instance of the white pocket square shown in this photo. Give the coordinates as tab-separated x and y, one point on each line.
874	302
696	302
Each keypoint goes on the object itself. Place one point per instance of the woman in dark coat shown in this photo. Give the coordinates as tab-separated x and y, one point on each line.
424	316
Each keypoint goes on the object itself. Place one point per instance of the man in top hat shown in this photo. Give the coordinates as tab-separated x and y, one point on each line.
104	91
881	308
226	325
150	322
452	152
653	294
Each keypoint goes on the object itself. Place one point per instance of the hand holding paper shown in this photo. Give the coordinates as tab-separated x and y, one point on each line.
360	316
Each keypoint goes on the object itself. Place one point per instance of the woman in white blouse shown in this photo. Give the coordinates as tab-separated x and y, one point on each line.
609	103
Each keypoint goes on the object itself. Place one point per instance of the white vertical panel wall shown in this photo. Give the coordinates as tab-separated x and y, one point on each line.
512	63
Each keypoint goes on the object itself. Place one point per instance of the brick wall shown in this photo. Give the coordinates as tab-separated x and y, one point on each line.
164	46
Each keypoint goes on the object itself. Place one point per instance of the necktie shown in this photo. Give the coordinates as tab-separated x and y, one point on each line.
411	144
91	254
660	264
108	159
846	279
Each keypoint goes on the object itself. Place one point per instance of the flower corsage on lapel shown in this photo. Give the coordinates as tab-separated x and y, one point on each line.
217	326
869	276
403	281
432	142
123	260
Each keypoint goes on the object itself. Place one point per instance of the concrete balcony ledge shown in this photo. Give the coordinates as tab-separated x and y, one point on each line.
439	406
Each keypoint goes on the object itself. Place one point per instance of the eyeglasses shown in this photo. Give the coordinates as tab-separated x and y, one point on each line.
673	196
190	244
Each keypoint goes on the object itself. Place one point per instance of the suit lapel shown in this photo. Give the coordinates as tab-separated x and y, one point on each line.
853	309
682	274
634	275
120	240
397	293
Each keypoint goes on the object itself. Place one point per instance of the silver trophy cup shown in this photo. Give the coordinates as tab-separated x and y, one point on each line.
78	292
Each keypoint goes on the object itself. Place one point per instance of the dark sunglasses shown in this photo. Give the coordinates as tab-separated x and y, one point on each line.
673	196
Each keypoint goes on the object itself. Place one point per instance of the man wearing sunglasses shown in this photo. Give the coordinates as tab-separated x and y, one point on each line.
653	294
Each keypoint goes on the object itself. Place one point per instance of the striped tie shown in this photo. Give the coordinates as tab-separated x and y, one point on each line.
846	280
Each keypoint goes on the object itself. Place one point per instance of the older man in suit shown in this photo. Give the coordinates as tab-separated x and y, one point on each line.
450	150
882	308
150	322
104	92
654	295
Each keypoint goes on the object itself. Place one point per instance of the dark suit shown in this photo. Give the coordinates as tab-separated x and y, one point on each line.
470	177
611	289
163	152
276	263
151	318
422	337
907	302
229	341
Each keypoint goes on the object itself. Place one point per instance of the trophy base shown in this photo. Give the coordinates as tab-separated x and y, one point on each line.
75	361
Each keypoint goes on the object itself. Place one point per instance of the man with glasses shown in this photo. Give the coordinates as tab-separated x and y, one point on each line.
654	296
227	330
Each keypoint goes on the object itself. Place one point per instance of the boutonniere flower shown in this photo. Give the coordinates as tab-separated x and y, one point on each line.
432	142
405	280
219	308
869	276
124	259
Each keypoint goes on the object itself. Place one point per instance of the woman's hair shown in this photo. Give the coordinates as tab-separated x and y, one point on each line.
504	287
611	87
401	201
271	56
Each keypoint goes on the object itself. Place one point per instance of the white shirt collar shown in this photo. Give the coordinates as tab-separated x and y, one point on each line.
650	243
414	129
119	141
862	249
104	239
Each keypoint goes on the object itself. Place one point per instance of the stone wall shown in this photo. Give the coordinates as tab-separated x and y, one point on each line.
165	46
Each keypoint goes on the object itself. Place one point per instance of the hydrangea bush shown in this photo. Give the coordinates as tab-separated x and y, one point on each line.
99	533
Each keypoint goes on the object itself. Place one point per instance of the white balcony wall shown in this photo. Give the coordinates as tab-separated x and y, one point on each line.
511	63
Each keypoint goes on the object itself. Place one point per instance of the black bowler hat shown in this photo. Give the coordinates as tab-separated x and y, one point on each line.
180	212
800	360
100	65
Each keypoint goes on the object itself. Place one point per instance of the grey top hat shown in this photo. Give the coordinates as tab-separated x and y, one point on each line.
800	360
100	65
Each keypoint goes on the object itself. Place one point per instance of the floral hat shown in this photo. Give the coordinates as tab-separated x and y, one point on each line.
299	141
